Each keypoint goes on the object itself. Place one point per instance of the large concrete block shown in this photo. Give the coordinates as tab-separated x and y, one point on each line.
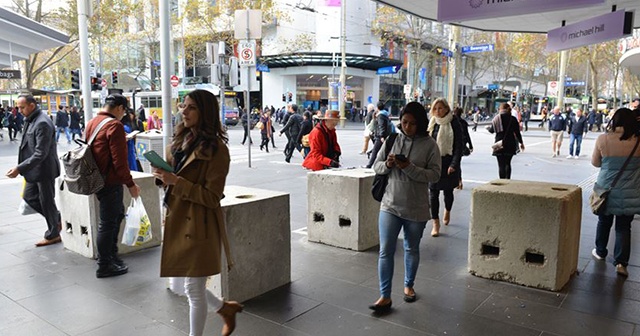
525	232
341	210
259	230
80	218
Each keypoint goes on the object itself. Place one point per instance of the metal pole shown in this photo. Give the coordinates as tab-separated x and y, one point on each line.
11	102
586	84
453	65
343	68
247	100
85	77
165	61
561	78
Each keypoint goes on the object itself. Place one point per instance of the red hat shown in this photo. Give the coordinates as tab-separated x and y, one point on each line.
331	115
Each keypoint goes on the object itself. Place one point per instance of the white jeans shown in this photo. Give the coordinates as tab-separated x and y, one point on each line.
200	299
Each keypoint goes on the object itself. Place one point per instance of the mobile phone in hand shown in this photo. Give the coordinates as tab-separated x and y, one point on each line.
401	158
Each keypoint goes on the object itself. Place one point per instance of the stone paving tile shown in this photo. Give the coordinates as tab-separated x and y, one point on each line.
556	320
8	260
607	305
136	324
279	305
332	320
26	280
67	309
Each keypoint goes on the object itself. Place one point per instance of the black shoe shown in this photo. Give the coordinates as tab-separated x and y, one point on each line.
119	262
381	309
110	270
288	160
410	298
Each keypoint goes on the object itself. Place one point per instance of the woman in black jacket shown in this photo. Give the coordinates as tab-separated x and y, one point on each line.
305	128
445	128
507	131
467	149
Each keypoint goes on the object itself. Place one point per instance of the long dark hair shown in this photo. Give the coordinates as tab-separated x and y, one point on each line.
209	128
420	114
626	119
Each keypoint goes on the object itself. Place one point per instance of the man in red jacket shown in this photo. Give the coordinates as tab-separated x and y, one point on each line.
325	150
110	152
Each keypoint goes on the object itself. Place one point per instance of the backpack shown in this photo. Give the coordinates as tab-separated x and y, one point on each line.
81	173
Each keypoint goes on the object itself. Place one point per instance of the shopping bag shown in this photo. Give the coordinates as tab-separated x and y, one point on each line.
137	229
25	209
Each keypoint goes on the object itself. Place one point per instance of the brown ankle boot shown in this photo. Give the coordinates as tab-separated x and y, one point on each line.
447	217
436	228
228	312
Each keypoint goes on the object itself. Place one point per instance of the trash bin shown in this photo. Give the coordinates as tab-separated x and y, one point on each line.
146	141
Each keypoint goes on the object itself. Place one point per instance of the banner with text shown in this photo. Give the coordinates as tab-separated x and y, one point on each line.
459	10
599	29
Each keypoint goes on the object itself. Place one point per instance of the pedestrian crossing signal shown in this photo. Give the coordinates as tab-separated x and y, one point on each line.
75	79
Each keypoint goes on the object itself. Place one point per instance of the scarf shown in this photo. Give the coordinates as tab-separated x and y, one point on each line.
445	133
497	123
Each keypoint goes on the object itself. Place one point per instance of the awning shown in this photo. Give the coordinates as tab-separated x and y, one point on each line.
22	37
631	61
530	23
366	62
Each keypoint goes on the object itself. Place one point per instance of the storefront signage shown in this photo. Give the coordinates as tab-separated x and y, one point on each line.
459	10
388	70
477	48
599	29
628	44
10	74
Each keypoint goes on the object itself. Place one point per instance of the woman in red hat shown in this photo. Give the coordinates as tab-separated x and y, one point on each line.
325	150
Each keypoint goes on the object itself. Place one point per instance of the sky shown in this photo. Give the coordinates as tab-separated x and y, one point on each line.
46	4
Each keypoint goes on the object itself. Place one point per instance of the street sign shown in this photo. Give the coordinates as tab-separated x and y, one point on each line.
10	74
175	81
174	92
388	70
407	89
574	83
477	48
263	67
585	100
155	63
552	88
493	86
247	53
103	83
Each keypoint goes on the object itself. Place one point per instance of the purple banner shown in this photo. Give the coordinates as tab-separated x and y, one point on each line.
595	30
459	10
333	3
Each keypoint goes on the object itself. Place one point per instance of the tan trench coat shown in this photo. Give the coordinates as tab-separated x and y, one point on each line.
194	232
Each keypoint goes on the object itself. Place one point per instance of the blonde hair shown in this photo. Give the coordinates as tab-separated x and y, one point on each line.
441	101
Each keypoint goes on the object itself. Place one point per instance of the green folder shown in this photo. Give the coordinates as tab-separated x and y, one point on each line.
157	161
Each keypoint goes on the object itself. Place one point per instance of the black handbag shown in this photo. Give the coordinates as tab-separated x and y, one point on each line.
380	181
598	198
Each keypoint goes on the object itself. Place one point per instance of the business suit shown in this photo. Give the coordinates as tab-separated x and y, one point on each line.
38	164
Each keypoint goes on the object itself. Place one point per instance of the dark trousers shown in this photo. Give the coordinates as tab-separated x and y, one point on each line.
434	201
374	152
265	142
475	126
246	134
40	196
286	148
13	132
504	166
622	248
291	146
111	215
526	125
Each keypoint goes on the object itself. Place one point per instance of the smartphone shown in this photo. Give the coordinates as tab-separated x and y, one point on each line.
401	157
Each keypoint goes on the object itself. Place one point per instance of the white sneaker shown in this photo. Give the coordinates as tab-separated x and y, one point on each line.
554	155
595	255
569	156
622	270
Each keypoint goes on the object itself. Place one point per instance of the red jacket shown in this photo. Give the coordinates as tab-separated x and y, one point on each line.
110	150
319	138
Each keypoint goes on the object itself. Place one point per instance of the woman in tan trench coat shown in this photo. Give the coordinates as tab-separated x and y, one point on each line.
195	231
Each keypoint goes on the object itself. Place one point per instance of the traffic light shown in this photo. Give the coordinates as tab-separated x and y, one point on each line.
96	82
290	97
514	95
114	77
75	79
284	97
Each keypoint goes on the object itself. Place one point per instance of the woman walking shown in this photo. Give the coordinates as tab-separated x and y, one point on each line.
266	131
305	128
413	163
507	131
194	231
467	148
616	153
446	130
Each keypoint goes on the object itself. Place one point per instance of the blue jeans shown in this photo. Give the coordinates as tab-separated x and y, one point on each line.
622	248
66	132
389	226
577	139
111	215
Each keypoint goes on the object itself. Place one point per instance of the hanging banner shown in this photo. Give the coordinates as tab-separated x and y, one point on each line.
10	74
459	10
614	25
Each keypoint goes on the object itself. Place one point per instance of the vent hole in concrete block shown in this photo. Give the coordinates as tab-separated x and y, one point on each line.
559	189
83	230
490	251
245	196
318	217
497	183
68	227
344	221
534	258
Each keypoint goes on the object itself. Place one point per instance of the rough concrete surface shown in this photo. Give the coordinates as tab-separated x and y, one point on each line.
525	232
342	211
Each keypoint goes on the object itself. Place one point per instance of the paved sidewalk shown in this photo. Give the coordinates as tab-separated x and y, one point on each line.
51	291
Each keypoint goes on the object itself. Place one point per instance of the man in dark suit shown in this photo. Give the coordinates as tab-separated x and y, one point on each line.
38	164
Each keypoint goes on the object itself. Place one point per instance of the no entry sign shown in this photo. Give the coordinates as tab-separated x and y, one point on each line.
175	81
247	53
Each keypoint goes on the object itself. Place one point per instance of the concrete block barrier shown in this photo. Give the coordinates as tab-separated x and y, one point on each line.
341	210
259	230
525	232
80	217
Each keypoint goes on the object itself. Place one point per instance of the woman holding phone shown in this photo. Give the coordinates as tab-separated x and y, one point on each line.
413	162
195	233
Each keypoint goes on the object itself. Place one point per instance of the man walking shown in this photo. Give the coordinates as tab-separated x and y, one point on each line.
284	120
557	125
74	124
577	128
38	164
62	123
292	128
383	130
109	149
526	115
476	119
